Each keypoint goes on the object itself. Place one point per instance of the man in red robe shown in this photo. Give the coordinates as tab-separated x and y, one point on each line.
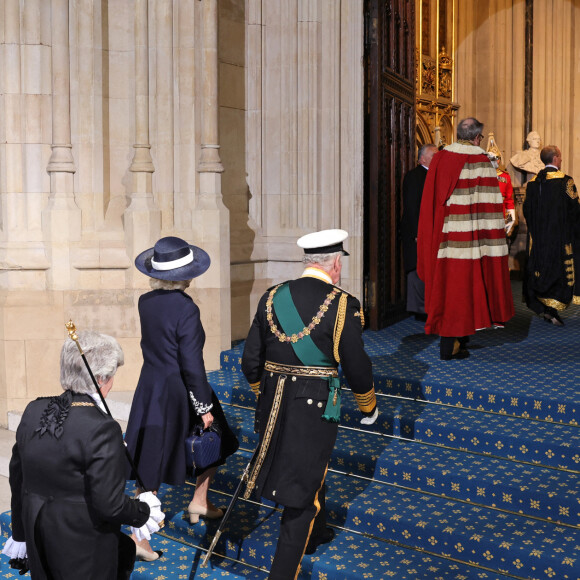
461	245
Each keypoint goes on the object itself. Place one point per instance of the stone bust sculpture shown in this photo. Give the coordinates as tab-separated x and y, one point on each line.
529	159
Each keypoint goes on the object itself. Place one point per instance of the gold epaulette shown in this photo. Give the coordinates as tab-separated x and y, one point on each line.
532	179
339	324
367	401
555	174
255	388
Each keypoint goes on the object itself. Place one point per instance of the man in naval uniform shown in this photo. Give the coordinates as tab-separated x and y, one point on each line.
552	212
302	330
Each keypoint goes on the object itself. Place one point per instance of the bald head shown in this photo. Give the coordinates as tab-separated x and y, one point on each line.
470	130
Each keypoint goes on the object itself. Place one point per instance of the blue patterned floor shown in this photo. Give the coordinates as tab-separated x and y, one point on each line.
528	369
472	470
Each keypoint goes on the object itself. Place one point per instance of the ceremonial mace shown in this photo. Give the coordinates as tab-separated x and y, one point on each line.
72	332
244	478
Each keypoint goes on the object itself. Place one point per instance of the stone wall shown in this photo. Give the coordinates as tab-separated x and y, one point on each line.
236	124
108	140
490	74
304	142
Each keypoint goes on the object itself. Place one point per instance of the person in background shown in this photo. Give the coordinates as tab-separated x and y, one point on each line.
552	212
505	186
413	184
462	254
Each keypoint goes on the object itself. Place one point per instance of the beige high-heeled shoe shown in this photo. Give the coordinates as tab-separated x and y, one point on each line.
195	511
145	556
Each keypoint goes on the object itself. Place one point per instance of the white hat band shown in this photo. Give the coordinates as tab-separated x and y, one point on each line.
173	263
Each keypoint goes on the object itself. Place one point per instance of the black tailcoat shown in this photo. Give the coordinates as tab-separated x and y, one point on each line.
552	212
413	184
295	465
68	494
172	339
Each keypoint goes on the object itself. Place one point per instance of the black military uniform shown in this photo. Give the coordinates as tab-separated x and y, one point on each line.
296	441
552	212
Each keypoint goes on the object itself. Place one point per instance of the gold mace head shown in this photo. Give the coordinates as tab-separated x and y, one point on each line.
72	330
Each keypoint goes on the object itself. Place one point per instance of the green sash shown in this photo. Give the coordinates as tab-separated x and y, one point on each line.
308	353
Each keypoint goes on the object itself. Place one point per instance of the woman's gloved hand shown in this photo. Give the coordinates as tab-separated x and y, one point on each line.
156	517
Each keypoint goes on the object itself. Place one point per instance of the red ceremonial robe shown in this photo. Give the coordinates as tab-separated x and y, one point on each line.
461	246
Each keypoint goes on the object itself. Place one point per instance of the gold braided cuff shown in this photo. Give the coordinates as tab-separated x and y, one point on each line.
255	388
366	401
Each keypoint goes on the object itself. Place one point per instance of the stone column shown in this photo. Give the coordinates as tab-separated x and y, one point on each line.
142	218
61	220
22	187
529	74
12	197
210	217
162	118
350	153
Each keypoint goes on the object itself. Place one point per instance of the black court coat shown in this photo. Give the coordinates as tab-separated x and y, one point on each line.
552	213
296	462
172	383
68	494
413	184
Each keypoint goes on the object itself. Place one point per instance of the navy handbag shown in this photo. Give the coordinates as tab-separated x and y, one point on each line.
203	447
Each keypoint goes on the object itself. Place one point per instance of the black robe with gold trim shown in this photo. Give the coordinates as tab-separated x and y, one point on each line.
301	444
552	212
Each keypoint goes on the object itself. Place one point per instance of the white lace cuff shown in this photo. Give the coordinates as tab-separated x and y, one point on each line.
200	408
156	516
14	549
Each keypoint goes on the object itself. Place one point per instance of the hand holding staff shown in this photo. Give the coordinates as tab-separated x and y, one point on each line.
72	332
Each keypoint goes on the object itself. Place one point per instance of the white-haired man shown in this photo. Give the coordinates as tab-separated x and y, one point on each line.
302	330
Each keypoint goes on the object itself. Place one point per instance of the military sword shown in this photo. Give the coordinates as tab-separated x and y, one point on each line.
244	478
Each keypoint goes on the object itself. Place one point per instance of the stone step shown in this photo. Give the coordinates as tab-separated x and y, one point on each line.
377	520
497	483
496	378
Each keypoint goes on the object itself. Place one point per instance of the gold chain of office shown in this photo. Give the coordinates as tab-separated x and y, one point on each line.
322	309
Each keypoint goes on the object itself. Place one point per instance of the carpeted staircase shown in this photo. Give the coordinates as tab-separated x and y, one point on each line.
470	472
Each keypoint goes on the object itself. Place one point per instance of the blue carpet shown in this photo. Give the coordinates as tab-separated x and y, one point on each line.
470	472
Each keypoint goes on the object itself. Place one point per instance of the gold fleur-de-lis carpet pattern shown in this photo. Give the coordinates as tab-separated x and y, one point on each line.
470	472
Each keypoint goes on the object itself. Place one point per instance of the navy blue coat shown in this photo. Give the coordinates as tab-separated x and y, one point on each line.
172	384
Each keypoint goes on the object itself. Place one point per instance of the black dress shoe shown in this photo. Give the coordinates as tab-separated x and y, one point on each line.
324	538
463	353
553	319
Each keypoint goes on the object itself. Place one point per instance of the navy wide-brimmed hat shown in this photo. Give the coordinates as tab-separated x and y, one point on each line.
173	259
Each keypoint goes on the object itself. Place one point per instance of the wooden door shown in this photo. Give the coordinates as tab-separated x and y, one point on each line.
389	151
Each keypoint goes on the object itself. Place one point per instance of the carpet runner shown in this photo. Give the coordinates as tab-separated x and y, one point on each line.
470	472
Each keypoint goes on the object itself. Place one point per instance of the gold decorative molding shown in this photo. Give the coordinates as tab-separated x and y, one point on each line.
435	75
